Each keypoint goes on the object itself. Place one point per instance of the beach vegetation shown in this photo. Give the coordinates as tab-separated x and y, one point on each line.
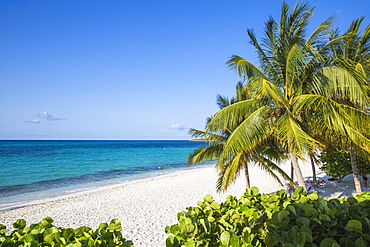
274	220
337	164
45	233
306	91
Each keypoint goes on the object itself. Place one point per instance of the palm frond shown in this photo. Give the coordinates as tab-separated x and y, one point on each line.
263	88
345	84
244	68
272	168
228	172
320	33
253	130
222	101
206	136
232	115
205	153
292	136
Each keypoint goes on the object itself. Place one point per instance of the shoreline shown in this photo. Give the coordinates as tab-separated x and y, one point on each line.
145	207
84	188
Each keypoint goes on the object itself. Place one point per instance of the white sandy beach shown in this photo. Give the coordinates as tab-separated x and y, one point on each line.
146	207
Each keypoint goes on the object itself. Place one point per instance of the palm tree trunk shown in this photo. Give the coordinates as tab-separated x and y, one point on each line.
297	170
355	172
247	182
291	171
313	172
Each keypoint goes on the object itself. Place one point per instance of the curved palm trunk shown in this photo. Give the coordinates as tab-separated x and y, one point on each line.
313	172
247	182
355	172
297	170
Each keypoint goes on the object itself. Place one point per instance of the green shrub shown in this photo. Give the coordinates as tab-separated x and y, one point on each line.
336	162
274	220
45	234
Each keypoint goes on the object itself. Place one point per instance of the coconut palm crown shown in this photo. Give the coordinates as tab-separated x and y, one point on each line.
266	156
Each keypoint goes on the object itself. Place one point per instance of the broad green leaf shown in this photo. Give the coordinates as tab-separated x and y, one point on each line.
354	225
19	224
282	215
190	243
301	240
208	198
360	243
313	197
225	238
234	241
303	221
327	242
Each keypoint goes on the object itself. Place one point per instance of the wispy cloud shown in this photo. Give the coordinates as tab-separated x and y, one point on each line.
178	127
49	117
44	114
35	121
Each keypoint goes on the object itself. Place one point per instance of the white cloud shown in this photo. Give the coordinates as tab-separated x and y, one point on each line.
178	127
44	114
35	121
49	117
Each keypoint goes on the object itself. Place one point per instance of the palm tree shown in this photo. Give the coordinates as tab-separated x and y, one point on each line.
353	54
265	156
292	92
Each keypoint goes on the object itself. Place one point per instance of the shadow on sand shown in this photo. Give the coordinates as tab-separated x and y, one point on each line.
336	189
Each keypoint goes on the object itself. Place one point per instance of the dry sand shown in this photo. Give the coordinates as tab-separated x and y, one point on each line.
146	207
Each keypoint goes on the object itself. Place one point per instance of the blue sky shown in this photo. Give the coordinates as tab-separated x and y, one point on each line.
122	69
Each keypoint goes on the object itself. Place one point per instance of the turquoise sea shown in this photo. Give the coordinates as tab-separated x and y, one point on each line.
32	170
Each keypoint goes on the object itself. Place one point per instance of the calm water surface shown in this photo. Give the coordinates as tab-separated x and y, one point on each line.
38	169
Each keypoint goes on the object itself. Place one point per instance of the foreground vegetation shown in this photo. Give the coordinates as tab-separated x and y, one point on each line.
274	220
45	234
253	220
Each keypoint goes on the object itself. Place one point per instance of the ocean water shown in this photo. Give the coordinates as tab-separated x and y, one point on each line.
32	170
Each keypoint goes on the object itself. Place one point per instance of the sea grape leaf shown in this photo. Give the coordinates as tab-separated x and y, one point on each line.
19	224
301	240
234	241
309	237
46	222
254	190
327	242
225	238
103	226
366	237
324	217
303	221
270	240
51	230
27	238
190	243
345	241
360	243
291	208
282	214
313	197
208	198
354	225
352	200
115	225
174	229
215	205
68	233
